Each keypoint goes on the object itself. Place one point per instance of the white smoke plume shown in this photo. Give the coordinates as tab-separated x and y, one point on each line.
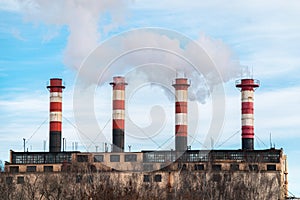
161	56
82	20
80	17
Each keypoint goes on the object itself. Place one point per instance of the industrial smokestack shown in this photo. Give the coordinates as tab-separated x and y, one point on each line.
55	88
118	124
181	94
247	90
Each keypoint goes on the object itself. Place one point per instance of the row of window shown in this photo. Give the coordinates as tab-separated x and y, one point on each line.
156	178
156	156
204	156
235	167
147	177
149	167
41	158
217	167
20	180
89	179
15	169
113	158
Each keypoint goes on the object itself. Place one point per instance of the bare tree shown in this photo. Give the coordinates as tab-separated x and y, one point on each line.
83	182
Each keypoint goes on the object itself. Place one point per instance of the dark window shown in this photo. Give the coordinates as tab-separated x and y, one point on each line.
253	167
157	178
216	177
271	167
130	158
184	167
82	158
98	158
234	167
146	178
227	177
9	180
199	167
48	168
114	158
93	168
20	179
216	167
14	169
179	165
31	169
148	167
78	178
90	179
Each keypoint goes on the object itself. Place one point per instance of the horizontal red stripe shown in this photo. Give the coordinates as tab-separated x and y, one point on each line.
247	111
182	134
248	105
244	88
118	105
55	106
56	82
181	107
247	132
181	87
56	85
247	108
181	81
247	81
181	128
118	124
55	89
55	126
248	84
245	128
248	136
119	87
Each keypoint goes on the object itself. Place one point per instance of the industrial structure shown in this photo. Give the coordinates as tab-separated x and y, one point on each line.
181	117
247	90
118	124
55	89
170	174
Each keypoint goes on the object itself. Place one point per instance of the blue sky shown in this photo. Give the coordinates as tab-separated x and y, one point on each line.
40	40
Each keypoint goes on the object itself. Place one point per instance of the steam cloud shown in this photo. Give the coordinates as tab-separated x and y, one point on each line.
82	19
158	56
160	63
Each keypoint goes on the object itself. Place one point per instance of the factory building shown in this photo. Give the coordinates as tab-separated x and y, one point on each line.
182	173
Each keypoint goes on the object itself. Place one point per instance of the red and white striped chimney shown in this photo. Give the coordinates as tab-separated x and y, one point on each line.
55	89
181	119
118	124
247	90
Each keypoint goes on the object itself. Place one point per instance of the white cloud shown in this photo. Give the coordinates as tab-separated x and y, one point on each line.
265	35
11	5
81	19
